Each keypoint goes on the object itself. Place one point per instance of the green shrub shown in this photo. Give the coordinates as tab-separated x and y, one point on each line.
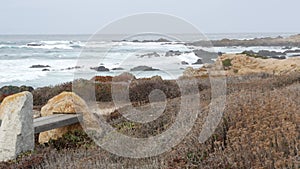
227	62
72	139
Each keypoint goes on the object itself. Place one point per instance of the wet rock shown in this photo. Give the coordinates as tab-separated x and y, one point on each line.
278	57
39	66
269	53
292	51
143	68
117	68
292	41
100	69
264	54
46	70
184	63
198	62
34	44
150	55
158	40
205	55
287	47
173	53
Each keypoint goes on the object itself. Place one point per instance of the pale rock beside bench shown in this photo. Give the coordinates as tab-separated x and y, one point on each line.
66	103
16	130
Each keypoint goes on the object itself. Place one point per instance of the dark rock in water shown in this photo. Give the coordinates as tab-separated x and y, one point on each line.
34	44
162	40
251	53
117	68
9	90
149	55
293	41
39	66
100	69
287	47
295	56
71	68
199	62
143	68
265	54
220	53
269	53
158	40
278	57
45	70
173	53
205	55
292	51
184	63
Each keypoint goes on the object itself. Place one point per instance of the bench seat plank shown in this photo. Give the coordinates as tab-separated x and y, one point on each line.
55	121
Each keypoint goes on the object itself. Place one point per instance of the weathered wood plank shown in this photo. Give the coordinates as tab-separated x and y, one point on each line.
55	121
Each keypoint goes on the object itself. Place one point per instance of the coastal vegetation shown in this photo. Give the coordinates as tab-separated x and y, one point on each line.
260	128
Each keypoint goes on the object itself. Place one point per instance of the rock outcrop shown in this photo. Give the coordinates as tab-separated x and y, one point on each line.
100	69
292	41
143	68
16	131
198	62
240	64
39	66
150	55
173	53
65	103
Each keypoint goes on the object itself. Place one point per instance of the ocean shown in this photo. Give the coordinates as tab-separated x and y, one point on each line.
72	56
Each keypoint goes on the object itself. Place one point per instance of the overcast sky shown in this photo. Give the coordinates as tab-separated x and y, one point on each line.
88	16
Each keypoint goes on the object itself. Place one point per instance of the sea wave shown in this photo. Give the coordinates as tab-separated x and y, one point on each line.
48	45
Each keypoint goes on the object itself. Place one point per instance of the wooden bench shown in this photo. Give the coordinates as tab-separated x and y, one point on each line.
54	121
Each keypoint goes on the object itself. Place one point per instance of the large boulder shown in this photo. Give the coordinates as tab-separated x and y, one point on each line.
65	103
16	131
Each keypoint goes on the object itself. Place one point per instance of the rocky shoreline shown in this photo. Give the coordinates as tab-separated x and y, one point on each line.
292	41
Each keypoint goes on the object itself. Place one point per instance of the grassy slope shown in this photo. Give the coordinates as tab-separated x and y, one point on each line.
260	128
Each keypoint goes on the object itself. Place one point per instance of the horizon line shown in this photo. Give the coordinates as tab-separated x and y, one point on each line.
35	34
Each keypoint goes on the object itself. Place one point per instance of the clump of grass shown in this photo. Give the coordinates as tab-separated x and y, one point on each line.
72	139
227	63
